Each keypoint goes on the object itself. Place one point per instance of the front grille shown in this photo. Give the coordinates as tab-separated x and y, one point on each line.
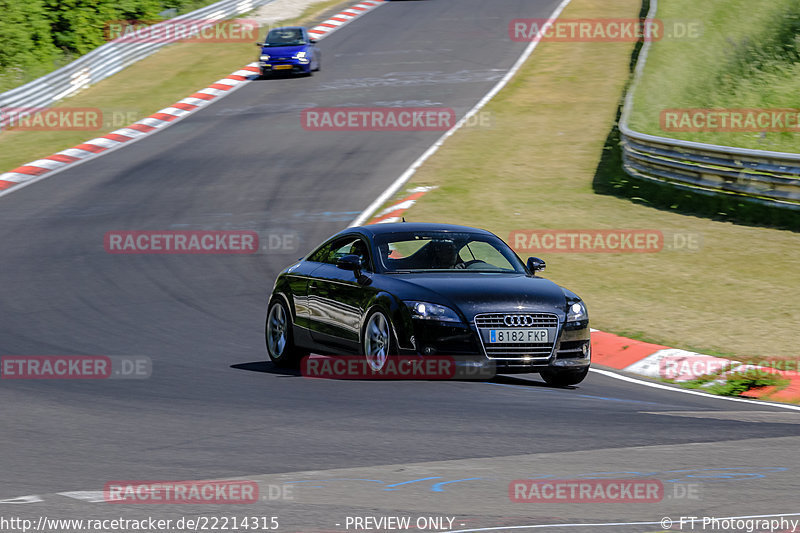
497	320
532	352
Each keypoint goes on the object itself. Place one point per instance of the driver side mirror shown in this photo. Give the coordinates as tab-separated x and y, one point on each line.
312	41
349	262
536	265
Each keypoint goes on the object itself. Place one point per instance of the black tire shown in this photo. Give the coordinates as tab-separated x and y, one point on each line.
564	378
282	353
377	339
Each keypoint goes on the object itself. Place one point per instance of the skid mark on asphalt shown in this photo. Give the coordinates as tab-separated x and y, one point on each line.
404	79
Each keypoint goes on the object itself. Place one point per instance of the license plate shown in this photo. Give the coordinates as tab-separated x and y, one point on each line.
517	335
282	67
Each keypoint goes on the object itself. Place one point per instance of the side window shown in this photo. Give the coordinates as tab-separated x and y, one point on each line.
321	253
332	251
350	246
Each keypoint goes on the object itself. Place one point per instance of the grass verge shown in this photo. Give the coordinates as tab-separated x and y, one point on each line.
140	90
534	169
736	61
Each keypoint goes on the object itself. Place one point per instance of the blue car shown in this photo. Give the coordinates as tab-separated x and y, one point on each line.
290	50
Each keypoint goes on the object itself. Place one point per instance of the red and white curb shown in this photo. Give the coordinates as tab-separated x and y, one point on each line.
343	17
656	361
92	148
48	166
394	213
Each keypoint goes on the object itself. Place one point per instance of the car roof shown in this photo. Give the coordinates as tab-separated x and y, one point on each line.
395	227
287	28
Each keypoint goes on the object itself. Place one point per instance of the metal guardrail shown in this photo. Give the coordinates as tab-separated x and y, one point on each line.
109	59
758	175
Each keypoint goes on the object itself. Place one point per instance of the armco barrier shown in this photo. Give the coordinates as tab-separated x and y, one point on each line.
109	59
759	175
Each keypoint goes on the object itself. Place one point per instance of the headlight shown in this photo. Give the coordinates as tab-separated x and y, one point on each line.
577	312
429	311
300	55
265	57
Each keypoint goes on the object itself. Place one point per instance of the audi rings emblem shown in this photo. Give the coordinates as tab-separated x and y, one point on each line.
518	321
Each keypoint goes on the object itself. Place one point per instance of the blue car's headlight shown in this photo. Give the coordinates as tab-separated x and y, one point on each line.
429	311
301	56
264	57
576	311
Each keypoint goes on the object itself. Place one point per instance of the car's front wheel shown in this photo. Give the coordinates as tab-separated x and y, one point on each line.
564	378
378	343
278	332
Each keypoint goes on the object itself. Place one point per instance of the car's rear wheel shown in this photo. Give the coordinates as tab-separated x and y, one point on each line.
377	342
564	378
278	332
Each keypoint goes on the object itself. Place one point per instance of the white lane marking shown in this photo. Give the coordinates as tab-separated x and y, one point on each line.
22	499
127	132
91	496
607	524
193	101
49	164
152	122
102	142
17	177
405	176
73	152
692	392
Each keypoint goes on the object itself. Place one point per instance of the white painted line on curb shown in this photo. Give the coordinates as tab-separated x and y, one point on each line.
692	392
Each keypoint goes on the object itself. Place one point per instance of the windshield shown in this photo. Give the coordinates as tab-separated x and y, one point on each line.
285	37
439	250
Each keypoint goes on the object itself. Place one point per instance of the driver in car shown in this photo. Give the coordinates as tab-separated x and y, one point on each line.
445	255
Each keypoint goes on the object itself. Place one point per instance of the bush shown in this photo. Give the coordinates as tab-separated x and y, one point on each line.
39	36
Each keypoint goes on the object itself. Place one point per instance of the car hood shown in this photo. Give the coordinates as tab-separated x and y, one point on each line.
283	51
475	293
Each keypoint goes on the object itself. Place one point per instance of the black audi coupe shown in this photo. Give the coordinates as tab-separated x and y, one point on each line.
420	289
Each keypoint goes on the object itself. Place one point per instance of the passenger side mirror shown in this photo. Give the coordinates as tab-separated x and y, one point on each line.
260	44
535	265
349	262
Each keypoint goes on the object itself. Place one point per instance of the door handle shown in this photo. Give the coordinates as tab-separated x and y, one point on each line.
312	285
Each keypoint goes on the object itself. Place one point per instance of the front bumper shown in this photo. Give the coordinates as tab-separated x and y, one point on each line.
287	66
571	348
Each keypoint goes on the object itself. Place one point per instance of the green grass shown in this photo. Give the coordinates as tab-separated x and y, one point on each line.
736	383
536	167
747	56
154	83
